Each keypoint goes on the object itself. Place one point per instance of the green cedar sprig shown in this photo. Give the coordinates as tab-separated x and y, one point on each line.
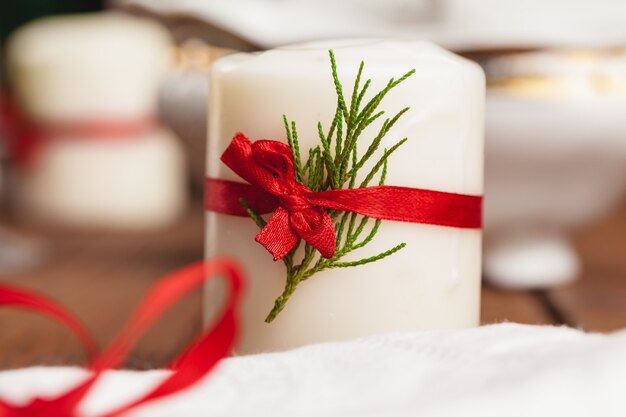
335	167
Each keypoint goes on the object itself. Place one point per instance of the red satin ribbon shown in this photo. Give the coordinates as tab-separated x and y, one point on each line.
300	213
197	360
24	136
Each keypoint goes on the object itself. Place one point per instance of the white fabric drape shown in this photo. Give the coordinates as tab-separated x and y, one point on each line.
500	370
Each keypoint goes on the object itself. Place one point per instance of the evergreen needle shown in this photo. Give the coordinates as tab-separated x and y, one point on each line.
253	214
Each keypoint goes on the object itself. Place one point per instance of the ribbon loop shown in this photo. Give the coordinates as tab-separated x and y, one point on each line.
268	165
193	364
205	352
16	297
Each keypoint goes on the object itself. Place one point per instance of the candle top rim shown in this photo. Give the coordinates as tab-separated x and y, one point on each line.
88	36
378	54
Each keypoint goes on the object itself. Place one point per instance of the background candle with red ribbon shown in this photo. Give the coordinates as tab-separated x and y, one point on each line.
434	282
86	137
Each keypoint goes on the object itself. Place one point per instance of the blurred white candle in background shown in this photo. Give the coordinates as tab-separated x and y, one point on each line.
434	282
96	68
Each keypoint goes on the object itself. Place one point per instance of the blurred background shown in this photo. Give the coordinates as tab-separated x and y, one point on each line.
103	134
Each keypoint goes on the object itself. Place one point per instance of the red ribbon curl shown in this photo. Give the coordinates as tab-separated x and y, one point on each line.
196	361
298	212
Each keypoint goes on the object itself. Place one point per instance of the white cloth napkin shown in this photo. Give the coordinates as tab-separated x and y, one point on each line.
501	370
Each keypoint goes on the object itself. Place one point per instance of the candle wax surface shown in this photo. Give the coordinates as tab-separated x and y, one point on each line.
135	183
434	282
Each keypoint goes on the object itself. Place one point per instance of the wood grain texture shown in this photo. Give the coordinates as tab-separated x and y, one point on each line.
499	306
597	301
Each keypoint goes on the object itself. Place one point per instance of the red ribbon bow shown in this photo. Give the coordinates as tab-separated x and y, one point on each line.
300	213
268	164
197	360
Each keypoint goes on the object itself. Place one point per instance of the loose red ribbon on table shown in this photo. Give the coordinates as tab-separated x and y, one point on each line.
196	361
298	212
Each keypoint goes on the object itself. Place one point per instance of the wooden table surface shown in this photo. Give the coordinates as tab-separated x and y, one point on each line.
102	276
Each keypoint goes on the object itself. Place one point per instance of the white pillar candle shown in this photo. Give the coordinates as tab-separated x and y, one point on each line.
96	68
434	282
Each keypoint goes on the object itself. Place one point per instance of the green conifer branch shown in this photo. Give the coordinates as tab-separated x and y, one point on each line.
369	259
381	162
325	169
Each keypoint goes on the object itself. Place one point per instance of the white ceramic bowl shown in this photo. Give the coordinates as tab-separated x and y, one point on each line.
551	165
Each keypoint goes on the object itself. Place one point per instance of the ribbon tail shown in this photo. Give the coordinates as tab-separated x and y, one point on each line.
404	204
223	196
317	229
277	236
